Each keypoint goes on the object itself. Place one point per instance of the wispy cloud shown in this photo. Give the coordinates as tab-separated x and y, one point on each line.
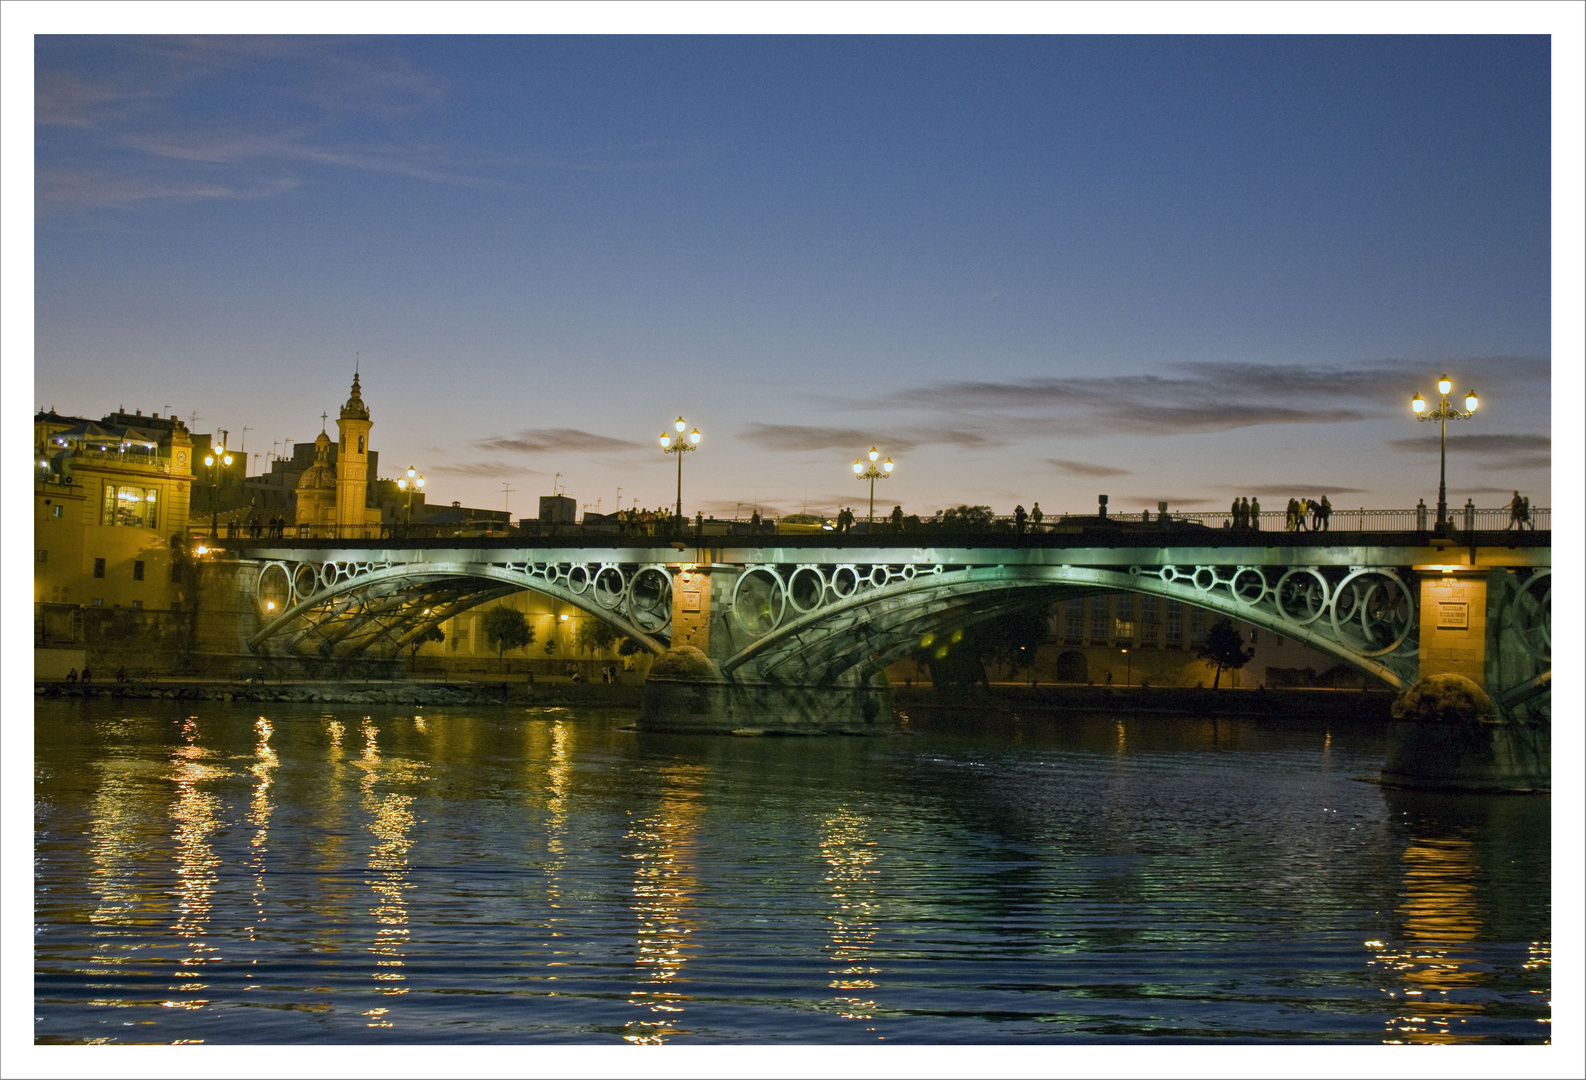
1205	397
800	437
1307	490
1082	468
227	118
487	469
554	440
1503	452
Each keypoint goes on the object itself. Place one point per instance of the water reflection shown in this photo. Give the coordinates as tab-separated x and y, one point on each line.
391	820
665	879
196	814
849	852
1440	920
264	766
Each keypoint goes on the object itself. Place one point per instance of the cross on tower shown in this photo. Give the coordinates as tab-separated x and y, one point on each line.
322	418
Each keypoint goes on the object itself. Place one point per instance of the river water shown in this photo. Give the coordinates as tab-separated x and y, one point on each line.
233	874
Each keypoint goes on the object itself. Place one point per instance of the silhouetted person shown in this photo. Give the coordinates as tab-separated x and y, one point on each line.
897	519
71	676
1233	513
1525	514
1324	512
1018	519
1516	510
88	676
1255	513
1420	515
1035	517
754	523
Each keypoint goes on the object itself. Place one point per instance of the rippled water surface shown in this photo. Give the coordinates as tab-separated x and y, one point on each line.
316	874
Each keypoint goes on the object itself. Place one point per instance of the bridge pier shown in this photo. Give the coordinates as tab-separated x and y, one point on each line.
1448	732
687	692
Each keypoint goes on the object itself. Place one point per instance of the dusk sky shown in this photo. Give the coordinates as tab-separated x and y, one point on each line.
1024	267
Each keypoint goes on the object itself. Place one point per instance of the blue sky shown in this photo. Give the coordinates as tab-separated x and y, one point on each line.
1027	268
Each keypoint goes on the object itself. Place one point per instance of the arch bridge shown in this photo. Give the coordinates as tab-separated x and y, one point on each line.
827	614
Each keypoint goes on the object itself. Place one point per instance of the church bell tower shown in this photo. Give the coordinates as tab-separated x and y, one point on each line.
352	462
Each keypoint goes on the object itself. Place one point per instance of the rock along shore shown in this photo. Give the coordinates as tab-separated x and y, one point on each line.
600	695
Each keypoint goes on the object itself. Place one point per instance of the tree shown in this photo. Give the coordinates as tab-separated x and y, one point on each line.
593	635
429	633
1225	649
506	628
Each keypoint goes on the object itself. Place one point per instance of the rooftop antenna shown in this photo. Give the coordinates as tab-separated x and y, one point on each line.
506	497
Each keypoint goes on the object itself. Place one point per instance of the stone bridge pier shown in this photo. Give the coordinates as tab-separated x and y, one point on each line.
695	685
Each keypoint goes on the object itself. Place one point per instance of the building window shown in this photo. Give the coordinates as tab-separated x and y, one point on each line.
1074	622
44	555
55	511
1123	622
1175	624
99	601
99	568
129	505
1150	626
1197	624
360	444
137	605
137	570
1098	618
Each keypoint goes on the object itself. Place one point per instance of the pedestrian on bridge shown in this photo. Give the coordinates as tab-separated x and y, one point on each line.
1035	517
1255	513
897	519
1324	512
1233	514
1517	512
1018	520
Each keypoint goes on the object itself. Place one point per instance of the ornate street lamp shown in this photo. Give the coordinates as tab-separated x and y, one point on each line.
216	458
873	472
1443	414
410	483
679	444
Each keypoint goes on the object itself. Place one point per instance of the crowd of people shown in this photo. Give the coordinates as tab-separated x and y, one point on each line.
1301	514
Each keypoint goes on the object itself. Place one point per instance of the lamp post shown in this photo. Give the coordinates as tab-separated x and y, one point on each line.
873	472
216	458
413	481
1128	667
679	444
1443	414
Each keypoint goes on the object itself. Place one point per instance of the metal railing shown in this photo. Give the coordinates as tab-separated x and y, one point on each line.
1485	522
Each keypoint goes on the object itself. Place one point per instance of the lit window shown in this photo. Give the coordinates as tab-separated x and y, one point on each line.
44	556
55	511
128	505
99	601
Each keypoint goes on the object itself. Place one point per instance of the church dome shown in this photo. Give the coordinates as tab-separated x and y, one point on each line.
320	476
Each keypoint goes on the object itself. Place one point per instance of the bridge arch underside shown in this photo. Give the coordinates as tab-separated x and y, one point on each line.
355	609
1364	617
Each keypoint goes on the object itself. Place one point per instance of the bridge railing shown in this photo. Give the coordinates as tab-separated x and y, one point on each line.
1487	525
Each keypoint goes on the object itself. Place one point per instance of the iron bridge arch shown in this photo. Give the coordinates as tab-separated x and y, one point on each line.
351	607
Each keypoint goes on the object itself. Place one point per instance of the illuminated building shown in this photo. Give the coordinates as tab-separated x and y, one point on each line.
110	511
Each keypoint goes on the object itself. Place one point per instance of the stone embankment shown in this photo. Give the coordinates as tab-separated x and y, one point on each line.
359	693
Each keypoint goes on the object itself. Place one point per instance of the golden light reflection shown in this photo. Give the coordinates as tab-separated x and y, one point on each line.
1440	915
196	815
664	880
391	820
114	842
849	853
259	809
